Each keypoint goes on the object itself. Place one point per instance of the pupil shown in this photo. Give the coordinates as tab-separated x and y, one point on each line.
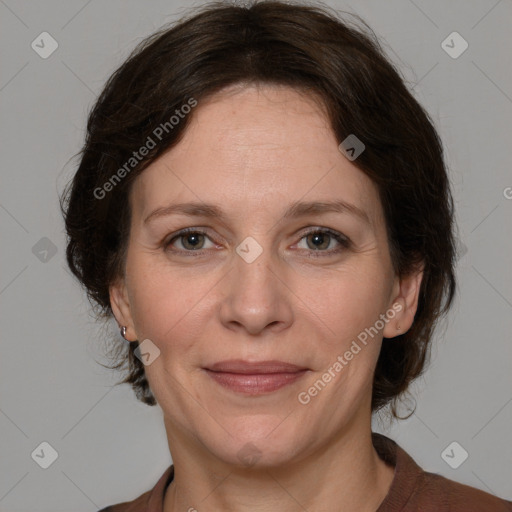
318	237
192	237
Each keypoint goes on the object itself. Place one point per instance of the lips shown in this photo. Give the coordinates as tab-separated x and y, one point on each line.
245	367
254	378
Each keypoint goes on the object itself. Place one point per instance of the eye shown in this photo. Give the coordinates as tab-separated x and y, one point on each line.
321	241
191	240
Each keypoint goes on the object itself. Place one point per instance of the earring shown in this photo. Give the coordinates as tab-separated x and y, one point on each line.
398	327
123	332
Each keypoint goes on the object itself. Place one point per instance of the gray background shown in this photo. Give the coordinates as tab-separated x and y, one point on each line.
111	447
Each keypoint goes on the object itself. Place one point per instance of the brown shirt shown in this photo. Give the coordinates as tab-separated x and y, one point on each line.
412	489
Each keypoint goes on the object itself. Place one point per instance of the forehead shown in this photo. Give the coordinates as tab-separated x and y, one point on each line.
255	149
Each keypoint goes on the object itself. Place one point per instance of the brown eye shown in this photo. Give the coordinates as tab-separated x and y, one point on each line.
190	240
325	241
317	241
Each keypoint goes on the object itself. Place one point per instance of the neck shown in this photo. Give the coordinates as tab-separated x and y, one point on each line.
345	475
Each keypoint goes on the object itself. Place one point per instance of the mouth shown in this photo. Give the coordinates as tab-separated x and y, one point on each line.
254	378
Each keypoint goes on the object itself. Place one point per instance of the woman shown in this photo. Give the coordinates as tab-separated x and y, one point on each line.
265	210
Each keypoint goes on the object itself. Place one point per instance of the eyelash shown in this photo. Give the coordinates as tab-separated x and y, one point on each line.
341	239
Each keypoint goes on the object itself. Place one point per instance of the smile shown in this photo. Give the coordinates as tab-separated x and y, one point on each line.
254	377
257	383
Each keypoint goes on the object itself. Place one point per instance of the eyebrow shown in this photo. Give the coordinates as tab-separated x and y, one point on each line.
297	209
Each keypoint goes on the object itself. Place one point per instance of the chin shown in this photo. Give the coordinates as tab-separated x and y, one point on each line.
257	443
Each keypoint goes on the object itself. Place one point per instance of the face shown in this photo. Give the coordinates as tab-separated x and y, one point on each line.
261	275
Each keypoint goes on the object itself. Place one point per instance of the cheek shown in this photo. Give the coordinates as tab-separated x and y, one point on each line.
180	304
165	302
346	301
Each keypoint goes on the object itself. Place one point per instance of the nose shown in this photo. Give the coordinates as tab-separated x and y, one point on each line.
256	297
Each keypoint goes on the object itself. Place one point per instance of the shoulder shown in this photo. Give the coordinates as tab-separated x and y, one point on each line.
149	501
436	491
414	489
138	505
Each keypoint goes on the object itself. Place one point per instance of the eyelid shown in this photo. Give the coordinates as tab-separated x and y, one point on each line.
342	239
328	231
183	232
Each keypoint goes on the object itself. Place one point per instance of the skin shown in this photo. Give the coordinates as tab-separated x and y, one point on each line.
253	150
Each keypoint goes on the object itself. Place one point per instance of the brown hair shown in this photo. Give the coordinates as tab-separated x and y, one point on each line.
305	47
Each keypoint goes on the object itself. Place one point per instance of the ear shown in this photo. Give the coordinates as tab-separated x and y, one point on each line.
120	303
406	291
